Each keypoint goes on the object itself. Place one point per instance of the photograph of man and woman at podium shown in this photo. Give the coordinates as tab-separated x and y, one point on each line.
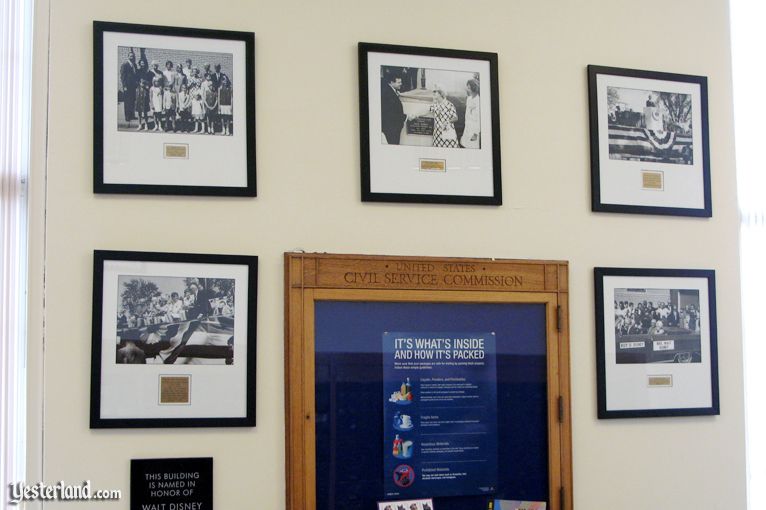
430	107
175	320
651	126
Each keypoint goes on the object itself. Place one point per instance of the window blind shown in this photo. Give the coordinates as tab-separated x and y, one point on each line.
15	59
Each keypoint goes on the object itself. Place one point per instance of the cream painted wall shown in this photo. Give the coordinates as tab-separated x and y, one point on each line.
308	185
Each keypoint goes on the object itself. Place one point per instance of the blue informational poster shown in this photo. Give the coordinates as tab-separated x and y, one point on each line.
440	414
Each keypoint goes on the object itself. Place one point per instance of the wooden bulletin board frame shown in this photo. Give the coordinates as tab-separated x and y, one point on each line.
312	277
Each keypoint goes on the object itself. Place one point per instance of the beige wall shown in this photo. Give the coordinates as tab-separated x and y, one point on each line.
308	185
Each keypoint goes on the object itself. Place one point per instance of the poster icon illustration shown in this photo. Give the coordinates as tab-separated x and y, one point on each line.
403	422
404	475
402	448
404	395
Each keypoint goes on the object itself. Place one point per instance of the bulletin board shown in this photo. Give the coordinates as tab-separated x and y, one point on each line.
422	377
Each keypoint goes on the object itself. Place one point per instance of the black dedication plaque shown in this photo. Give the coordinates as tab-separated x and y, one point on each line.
421	126
171	484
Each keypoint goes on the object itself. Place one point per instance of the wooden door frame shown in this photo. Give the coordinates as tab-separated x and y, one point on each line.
311	277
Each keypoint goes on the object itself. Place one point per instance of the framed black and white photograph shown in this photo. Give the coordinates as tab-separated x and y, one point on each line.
174	110
430	127
656	342
174	340
649	142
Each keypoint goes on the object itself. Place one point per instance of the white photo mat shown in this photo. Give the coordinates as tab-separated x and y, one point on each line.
626	384
131	391
396	168
621	180
138	157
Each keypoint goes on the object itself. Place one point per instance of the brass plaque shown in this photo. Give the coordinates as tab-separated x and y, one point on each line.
175	389
660	381
433	165
176	150
652	180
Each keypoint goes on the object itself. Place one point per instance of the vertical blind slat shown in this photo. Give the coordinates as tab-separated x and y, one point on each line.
15	55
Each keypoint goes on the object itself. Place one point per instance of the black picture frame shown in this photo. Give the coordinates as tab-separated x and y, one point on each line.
638	170
443	190
108	267
684	351
244	172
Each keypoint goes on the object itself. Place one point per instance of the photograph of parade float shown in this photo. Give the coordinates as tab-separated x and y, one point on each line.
657	326
650	126
175	320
